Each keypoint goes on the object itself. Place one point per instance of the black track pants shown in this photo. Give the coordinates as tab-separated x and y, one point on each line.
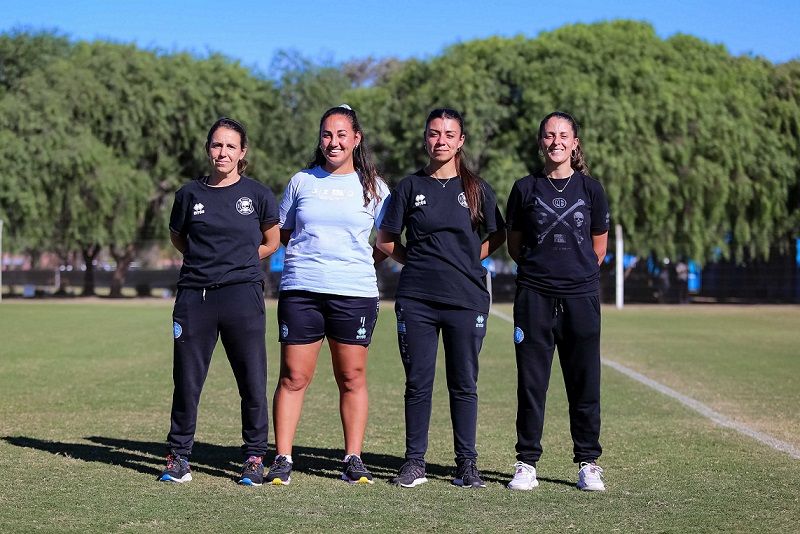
235	314
573	326
418	325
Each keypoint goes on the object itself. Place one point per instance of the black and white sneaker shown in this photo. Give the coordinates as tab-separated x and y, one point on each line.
177	469
355	472
411	474
467	474
280	472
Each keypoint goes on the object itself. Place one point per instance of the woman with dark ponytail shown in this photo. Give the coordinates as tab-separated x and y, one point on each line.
557	233
451	223
223	224
328	286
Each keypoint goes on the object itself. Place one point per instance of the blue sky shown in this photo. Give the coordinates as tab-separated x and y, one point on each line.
339	30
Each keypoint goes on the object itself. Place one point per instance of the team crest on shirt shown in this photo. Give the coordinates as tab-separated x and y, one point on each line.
177	330
244	206
462	199
559	203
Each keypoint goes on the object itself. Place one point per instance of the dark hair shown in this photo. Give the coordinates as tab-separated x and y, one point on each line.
576	158
362	159
226	122
469	180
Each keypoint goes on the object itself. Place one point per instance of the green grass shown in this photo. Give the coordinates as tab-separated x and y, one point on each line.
85	392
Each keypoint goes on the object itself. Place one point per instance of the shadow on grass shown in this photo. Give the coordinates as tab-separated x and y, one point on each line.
147	457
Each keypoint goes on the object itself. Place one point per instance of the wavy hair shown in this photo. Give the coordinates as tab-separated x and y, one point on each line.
362	158
576	159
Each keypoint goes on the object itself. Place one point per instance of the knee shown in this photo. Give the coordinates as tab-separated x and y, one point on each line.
294	381
352	380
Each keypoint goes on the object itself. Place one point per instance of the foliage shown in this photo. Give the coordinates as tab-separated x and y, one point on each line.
698	150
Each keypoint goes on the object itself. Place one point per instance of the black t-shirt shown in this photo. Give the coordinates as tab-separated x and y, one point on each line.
442	248
557	258
222	227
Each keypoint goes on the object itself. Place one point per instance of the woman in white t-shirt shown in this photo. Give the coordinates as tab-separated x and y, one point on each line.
328	286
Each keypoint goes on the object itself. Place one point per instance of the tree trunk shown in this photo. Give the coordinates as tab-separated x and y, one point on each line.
89	252
123	257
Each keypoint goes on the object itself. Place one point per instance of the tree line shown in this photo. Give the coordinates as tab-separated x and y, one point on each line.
699	150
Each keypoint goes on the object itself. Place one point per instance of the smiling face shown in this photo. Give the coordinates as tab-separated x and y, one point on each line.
225	150
443	138
557	141
338	140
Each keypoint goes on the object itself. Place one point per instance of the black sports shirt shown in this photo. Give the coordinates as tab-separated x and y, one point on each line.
222	227
442	247
557	258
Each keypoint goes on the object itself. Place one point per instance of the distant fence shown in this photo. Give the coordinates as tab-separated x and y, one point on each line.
773	282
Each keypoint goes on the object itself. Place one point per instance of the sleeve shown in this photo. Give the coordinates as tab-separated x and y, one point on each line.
395	211
288	205
380	208
178	219
492	218
514	210
268	207
600	214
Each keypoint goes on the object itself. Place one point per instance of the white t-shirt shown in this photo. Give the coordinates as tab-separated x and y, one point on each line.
329	249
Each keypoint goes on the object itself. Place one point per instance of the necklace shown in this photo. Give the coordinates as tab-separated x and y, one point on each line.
565	185
443	184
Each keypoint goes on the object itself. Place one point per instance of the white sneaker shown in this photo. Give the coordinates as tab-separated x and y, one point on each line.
590	477
524	477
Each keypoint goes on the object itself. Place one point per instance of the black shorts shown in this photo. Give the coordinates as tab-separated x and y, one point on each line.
305	317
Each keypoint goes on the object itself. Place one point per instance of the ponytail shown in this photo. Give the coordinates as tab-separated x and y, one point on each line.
471	182
362	158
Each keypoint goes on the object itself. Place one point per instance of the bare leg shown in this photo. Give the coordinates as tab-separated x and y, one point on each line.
297	369
350	371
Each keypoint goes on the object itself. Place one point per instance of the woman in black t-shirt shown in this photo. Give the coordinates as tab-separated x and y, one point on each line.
557	234
451	223
223	224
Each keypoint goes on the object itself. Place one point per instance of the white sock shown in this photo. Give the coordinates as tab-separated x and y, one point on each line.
287	456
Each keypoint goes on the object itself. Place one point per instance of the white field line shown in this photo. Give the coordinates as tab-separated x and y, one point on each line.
693	404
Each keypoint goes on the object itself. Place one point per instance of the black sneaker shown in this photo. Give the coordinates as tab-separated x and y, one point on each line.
355	472
280	472
252	472
411	474
467	474
177	470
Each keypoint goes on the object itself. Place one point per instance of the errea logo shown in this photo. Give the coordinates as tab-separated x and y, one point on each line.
199	209
419	200
479	321
361	333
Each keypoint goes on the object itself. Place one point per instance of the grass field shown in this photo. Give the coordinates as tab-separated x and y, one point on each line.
85	391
